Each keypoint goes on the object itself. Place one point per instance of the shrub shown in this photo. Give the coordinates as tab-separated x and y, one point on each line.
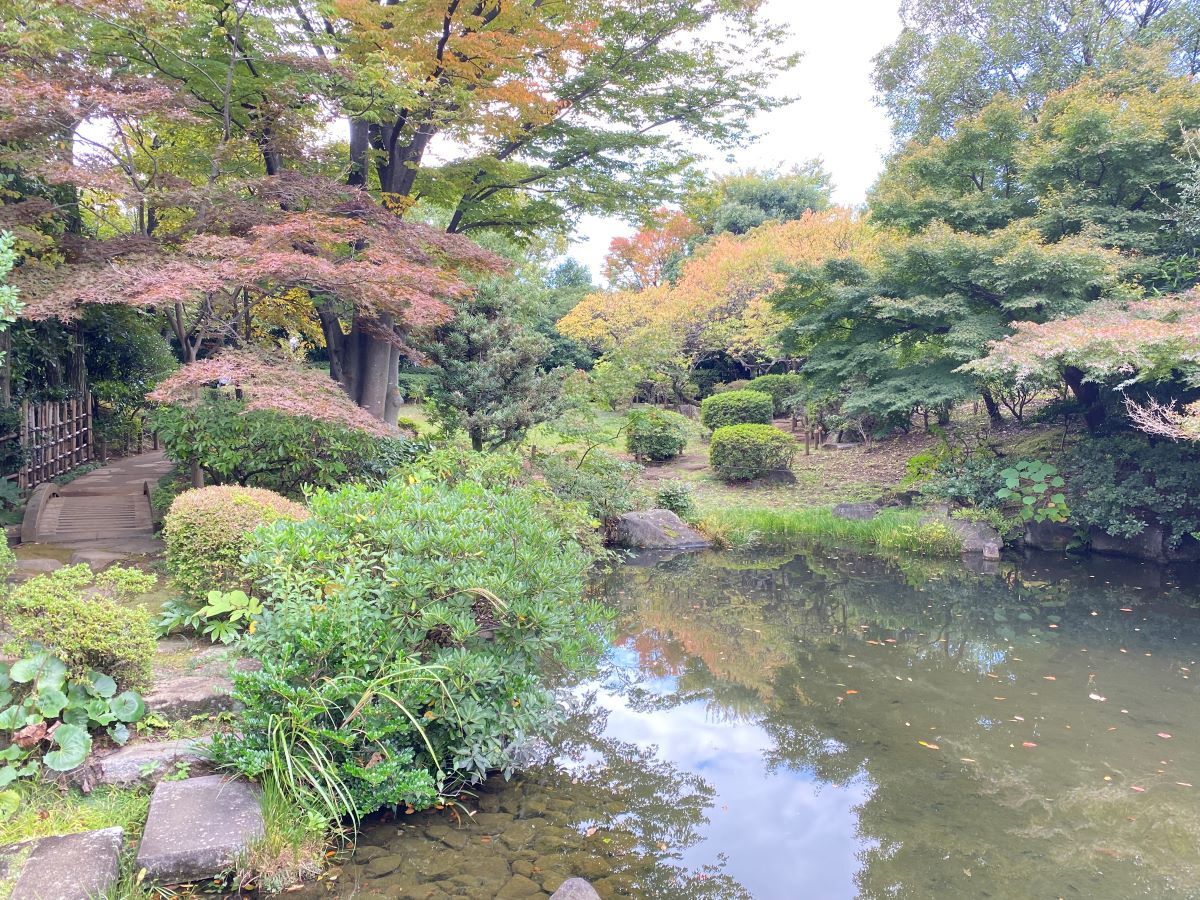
605	485
738	384
205	532
780	387
677	497
656	434
736	408
407	630
746	452
267	449
78	617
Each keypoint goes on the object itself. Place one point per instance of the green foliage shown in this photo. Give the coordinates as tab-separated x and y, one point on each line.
677	497
781	388
893	530
407	633
10	306
1037	490
206	532
742	202
491	381
603	484
263	448
736	408
656	434
85	621
746	452
1124	484
46	718
223	616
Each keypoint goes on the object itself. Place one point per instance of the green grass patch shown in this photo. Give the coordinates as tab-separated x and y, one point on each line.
893	530
46	811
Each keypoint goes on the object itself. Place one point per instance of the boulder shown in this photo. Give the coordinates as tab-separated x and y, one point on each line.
976	537
657	529
575	889
184	696
1150	544
30	567
66	867
142	764
1048	535
97	560
197	828
856	511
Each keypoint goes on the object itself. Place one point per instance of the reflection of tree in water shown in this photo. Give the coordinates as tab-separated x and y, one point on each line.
847	665
649	810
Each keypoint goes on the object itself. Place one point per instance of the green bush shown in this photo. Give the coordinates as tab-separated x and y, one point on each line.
780	387
738	384
205	532
605	485
677	497
269	449
81	619
737	408
746	452
656	434
407	634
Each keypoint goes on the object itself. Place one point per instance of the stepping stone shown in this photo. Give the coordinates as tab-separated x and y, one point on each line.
145	764
575	889
184	696
68	867
98	560
197	828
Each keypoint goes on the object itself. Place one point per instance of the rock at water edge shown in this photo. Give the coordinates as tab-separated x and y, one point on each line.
575	889
142	764
657	529
67	867
184	696
197	828
857	512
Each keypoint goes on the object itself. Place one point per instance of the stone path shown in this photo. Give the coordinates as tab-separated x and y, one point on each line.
108	509
69	867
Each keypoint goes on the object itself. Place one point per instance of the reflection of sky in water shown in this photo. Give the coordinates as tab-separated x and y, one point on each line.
784	834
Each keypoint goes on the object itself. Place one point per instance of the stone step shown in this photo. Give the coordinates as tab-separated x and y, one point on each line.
66	867
197	828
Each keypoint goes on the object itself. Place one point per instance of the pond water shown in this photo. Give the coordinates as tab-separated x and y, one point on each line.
816	724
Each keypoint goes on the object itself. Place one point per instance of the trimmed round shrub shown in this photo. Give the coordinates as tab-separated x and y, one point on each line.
656	434
206	530
737	408
780	387
746	452
725	387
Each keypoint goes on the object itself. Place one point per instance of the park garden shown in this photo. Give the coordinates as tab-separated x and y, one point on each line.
431	543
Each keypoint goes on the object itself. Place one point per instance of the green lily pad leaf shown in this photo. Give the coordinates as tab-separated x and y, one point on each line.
13	718
120	734
48	671
50	702
76	714
74	745
102	685
127	706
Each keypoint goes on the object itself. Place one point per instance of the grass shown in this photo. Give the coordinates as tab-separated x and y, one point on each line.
893	530
293	848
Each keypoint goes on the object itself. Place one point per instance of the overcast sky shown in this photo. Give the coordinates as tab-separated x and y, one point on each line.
835	118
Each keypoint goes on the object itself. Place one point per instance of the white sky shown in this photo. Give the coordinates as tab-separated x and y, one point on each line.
835	118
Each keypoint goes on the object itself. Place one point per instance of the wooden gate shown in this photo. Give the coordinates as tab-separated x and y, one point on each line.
57	437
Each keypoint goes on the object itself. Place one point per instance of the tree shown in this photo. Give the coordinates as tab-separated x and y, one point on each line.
644	260
10	304
953	57
740	203
490	380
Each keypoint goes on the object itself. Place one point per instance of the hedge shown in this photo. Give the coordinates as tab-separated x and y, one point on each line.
737	408
746	452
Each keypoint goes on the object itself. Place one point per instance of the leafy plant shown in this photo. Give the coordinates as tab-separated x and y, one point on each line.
737	408
656	434
46	717
781	389
677	497
84	620
1037	489
206	532
223	617
604	484
746	452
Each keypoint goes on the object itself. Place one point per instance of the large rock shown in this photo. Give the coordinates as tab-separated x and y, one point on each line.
575	889
67	867
856	511
97	560
144	764
657	529
197	828
1048	535
1150	544
184	696
976	537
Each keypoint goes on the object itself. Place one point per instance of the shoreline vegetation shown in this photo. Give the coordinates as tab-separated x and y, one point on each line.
890	532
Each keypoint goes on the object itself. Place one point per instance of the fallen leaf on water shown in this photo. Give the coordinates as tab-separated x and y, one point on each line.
851	692
1097	698
929	745
1028	744
967	759
1018	718
1183	784
1049	678
1163	735
591	831
1140	790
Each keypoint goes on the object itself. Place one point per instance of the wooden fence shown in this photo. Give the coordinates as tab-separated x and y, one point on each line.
56	436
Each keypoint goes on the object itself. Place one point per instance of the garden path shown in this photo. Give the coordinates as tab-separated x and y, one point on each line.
108	509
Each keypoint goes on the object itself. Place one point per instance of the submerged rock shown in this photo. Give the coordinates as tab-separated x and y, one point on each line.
657	529
575	889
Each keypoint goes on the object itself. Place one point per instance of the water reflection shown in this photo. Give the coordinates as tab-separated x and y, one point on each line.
877	732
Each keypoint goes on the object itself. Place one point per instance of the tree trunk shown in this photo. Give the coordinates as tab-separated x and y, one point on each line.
374	378
993	408
476	432
1087	395
391	409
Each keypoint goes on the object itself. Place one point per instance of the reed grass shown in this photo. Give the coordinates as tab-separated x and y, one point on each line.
892	530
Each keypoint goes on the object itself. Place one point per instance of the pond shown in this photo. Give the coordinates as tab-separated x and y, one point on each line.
821	724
